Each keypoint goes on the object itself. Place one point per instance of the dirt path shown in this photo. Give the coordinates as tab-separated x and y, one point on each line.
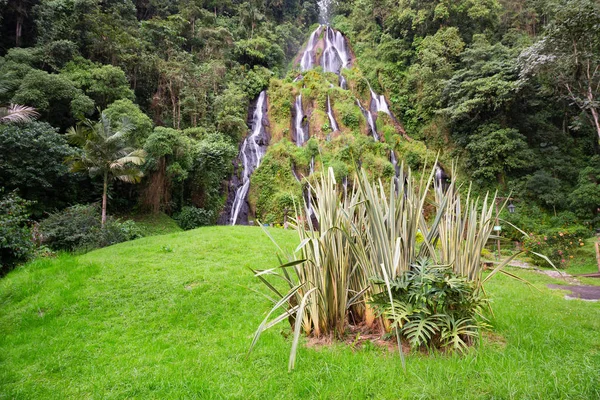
590	293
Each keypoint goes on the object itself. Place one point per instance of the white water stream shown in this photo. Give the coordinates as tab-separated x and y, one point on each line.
251	153
301	134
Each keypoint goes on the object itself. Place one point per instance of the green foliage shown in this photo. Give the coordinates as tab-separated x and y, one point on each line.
259	51
486	82
585	199
105	153
79	228
231	109
193	217
126	109
560	245
433	307
211	165
494	151
16	243
172	146
273	184
32	160
54	96
104	84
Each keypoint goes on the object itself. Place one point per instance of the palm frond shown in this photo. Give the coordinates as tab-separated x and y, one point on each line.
16	113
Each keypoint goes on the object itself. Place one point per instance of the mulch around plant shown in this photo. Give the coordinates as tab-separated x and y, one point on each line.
582	292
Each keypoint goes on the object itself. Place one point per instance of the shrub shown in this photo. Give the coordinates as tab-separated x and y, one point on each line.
558	244
432	307
68	229
15	234
79	227
193	217
114	232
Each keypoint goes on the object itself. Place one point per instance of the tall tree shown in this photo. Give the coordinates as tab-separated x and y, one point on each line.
106	154
569	55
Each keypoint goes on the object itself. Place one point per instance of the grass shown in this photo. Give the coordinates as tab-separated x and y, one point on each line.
172	316
156	224
584	262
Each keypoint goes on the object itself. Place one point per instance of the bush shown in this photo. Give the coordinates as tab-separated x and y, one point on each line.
15	234
193	217
114	232
78	227
433	307
558	244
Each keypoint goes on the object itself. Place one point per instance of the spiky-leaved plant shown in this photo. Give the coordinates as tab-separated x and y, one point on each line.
371	235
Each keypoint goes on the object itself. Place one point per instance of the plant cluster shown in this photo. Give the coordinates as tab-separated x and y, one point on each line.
193	217
558	244
377	232
433	307
16	244
79	228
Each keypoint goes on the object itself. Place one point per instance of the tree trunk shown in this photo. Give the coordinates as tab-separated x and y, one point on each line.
104	198
596	121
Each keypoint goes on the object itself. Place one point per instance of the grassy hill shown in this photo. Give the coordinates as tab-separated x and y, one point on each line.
172	317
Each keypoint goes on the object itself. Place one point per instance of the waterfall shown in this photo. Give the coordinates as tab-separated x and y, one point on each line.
295	174
332	123
370	120
378	103
312	165
307	62
336	55
441	177
301	135
251	153
394	162
325	10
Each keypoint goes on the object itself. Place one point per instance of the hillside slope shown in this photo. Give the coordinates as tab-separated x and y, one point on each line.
172	317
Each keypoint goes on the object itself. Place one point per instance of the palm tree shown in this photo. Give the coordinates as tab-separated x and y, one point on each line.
106	153
17	113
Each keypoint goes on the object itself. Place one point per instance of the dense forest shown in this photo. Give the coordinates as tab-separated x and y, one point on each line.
508	88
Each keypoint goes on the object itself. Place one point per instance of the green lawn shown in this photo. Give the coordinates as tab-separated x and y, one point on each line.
155	224
585	262
172	317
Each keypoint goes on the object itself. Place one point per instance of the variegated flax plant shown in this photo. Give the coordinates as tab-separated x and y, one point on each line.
375	233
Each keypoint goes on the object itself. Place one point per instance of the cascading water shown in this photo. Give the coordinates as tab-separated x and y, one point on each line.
251	153
295	174
441	177
394	162
370	120
301	131
336	55
310	210
325	7
332	123
308	58
379	104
